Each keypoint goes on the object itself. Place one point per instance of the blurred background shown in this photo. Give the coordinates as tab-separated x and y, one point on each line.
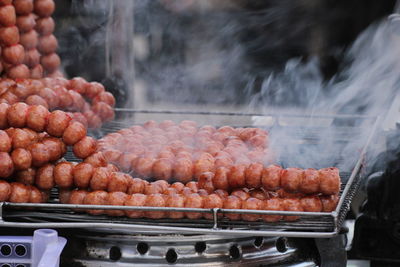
185	53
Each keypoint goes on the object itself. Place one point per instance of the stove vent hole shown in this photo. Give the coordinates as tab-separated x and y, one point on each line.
6	265
281	244
5	250
258	241
200	247
20	250
234	252
142	248
171	256
115	253
20	265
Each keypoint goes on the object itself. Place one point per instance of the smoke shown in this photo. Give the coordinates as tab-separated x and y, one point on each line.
182	59
216	67
366	87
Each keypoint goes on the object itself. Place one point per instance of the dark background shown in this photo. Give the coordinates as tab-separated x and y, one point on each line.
268	33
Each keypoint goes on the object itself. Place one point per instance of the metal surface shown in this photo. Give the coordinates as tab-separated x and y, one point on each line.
311	224
181	250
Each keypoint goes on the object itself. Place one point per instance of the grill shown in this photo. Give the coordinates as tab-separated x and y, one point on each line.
301	131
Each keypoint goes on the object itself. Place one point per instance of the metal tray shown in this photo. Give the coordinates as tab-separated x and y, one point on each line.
310	224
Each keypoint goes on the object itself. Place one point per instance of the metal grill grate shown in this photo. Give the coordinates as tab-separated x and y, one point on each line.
315	224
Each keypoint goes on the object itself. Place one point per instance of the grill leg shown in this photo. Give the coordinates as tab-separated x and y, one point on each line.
332	251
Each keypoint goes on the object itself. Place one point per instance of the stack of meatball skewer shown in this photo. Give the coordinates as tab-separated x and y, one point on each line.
232	186
194	167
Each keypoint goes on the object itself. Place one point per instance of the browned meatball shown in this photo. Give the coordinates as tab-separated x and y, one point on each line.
3	115
236	176
135	200
212	201
118	182
96	198
51	98
194	201
253	175
310	182
175	201
126	161
14	55
183	170
5	142
82	174
29	40
19	193
241	193
44	8
291	204
251	204
193	186
45	26
85	147
144	167
36	195
63	175
329	203
44	177
155	200
93	89
291	179
329	181
162	169
5	191
37	118
116	199
74	133
55	147
271	177
34	100
221	193
77	197
9	36
272	204
311	203
21	158
232	202
50	62
40	154
153	189
21	139
100	178
47	44
7	15
206	182
137	185
104	111
57	123
6	165
96	160
204	164
17	115
23	7
26	23
178	186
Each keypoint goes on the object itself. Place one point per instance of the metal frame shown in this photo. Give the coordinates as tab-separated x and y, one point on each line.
334	218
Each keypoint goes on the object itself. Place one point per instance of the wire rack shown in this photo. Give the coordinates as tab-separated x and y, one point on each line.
309	224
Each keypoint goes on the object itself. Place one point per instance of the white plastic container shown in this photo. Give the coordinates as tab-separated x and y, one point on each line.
43	249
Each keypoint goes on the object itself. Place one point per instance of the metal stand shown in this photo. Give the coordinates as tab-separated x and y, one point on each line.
332	251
